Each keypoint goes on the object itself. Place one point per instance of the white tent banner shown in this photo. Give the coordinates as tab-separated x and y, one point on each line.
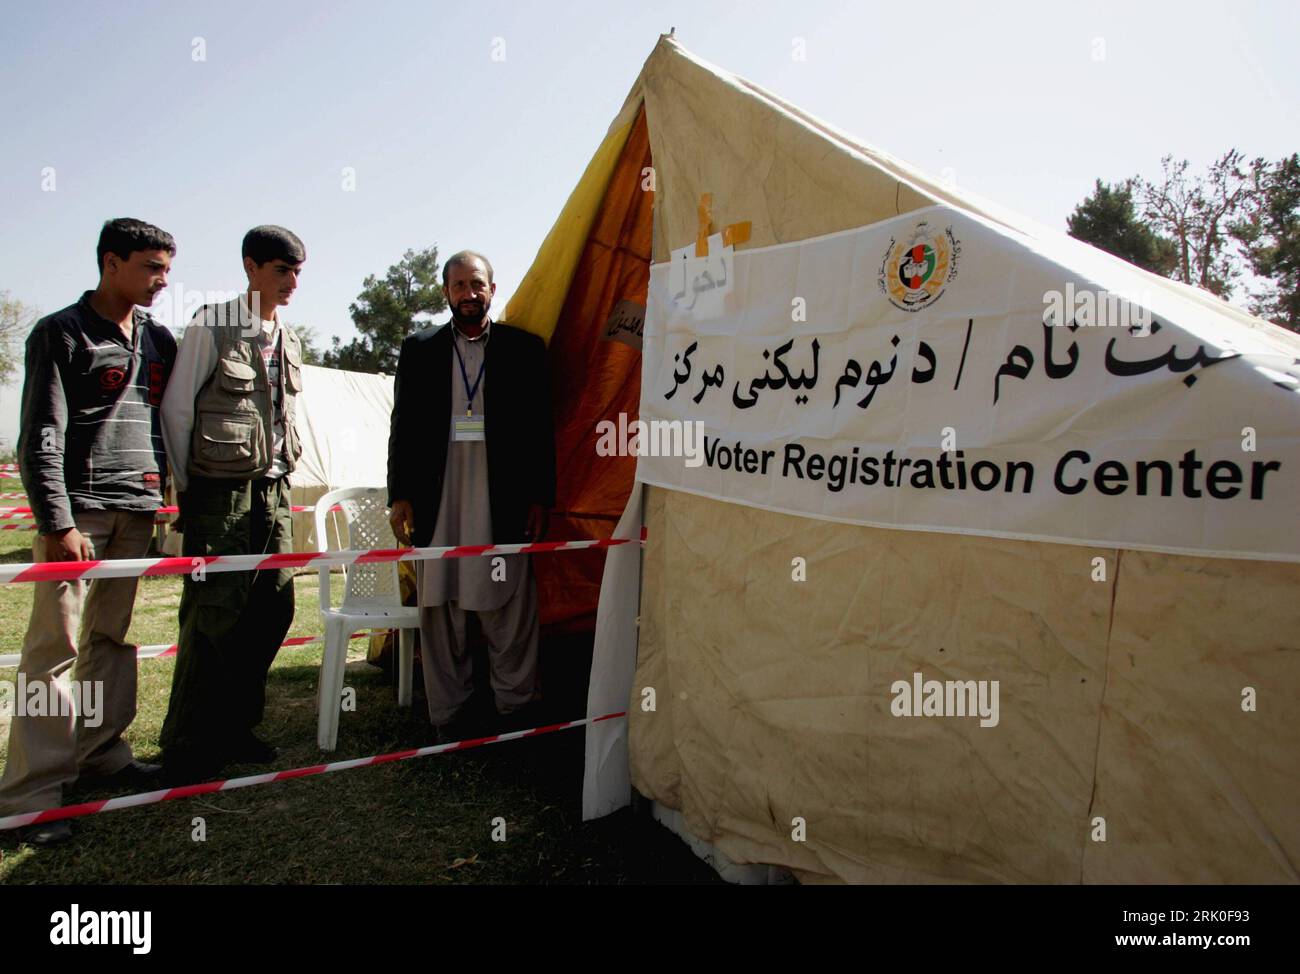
939	372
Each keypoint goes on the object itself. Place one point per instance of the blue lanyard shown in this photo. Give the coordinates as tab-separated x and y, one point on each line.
464	374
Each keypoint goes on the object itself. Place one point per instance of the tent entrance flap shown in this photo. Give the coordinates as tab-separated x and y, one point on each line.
596	376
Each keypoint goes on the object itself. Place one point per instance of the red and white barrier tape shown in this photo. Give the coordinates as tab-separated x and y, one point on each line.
14	495
57	571
166	649
230	784
26	512
160	521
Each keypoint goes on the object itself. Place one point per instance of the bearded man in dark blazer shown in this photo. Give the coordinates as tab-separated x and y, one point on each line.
471	461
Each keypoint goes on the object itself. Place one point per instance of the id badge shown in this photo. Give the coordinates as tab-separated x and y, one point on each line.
469	428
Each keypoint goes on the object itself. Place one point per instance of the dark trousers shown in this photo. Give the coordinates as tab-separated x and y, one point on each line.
231	623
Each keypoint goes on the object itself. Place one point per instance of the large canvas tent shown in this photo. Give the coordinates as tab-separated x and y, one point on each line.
1128	580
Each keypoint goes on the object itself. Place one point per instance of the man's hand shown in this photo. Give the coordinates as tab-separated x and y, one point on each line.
67	545
401	518
539	522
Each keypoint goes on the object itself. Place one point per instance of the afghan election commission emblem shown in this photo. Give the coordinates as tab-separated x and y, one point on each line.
918	269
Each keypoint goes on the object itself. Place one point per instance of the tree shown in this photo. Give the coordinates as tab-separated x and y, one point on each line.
386	311
1270	236
1197	212
310	339
16	320
1108	219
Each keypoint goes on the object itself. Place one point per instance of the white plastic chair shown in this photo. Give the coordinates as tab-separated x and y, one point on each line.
372	599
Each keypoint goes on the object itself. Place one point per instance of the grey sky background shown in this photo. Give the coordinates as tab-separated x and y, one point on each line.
1025	103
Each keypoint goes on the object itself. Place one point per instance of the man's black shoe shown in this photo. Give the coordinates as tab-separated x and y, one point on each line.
136	775
251	749
47	833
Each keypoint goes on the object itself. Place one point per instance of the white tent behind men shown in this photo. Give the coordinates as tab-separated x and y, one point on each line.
343	420
343	426
987	575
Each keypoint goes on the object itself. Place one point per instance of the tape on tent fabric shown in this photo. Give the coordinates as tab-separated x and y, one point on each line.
733	234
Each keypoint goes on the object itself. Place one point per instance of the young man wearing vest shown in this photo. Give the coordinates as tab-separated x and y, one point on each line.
91	454
229	421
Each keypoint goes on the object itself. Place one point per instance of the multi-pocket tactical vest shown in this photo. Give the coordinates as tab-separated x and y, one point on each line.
233	422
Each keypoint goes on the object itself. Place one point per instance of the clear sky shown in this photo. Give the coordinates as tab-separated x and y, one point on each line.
1025	103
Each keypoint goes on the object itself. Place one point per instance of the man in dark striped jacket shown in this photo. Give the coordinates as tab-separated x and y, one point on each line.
92	461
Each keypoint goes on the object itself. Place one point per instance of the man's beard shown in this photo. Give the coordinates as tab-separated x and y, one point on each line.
474	317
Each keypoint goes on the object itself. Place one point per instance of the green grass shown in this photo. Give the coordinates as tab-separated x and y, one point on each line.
429	820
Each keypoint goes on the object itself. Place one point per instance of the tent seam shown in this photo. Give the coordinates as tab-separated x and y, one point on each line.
1101	706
